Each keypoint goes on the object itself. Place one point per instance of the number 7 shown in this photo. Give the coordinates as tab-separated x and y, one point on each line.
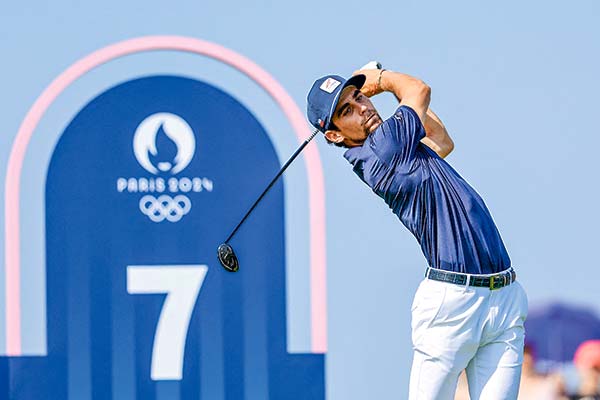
182	284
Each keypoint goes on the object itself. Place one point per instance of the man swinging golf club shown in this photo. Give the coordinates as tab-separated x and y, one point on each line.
468	312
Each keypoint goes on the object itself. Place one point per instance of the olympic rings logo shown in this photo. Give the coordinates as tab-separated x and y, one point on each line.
165	207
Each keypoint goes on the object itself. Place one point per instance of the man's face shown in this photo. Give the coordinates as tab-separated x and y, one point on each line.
355	118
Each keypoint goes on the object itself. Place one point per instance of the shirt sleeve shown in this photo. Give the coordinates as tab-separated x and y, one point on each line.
399	136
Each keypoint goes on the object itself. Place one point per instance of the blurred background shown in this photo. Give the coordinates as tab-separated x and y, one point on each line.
515	83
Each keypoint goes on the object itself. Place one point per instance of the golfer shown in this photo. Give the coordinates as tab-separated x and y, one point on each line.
468	312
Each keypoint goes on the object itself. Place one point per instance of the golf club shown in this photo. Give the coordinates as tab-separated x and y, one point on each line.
225	252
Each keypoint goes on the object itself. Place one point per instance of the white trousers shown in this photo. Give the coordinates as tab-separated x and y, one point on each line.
458	327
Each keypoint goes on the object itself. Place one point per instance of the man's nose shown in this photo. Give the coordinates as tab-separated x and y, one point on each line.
363	108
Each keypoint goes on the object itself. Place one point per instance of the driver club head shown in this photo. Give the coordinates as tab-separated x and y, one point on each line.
228	258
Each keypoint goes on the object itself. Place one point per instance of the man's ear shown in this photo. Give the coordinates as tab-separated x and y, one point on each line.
334	136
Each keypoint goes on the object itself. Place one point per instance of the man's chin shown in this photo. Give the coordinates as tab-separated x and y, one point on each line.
374	125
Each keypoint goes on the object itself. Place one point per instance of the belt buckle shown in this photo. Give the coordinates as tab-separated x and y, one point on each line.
493	282
502	280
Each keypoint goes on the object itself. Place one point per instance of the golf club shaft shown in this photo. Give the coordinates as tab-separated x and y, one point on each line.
288	162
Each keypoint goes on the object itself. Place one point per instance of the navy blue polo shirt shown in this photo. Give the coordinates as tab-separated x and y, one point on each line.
444	213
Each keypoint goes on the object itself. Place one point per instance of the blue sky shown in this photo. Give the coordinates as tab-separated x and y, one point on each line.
515	83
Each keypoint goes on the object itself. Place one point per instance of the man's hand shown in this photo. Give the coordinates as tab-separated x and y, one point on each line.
372	85
409	91
437	137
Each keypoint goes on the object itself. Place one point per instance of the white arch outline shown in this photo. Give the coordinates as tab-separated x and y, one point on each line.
153	43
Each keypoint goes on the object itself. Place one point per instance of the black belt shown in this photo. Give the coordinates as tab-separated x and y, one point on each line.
492	282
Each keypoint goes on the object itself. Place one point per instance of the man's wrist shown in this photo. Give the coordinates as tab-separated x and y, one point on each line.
379	87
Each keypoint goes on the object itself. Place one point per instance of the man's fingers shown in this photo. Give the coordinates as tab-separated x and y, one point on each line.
371	86
372	65
371	71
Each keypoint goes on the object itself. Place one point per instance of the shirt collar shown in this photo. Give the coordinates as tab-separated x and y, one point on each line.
353	154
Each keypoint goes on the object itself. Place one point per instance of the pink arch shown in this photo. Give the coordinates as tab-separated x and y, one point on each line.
178	43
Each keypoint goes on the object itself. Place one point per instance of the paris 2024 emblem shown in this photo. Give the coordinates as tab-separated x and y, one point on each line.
164	144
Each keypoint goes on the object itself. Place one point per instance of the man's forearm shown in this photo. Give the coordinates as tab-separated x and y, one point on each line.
437	137
407	89
402	85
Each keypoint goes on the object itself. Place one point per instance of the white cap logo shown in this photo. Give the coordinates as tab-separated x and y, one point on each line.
330	84
176	143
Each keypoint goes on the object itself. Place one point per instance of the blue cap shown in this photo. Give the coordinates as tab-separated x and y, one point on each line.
324	96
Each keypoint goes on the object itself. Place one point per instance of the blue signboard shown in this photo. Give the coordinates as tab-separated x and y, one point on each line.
144	184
